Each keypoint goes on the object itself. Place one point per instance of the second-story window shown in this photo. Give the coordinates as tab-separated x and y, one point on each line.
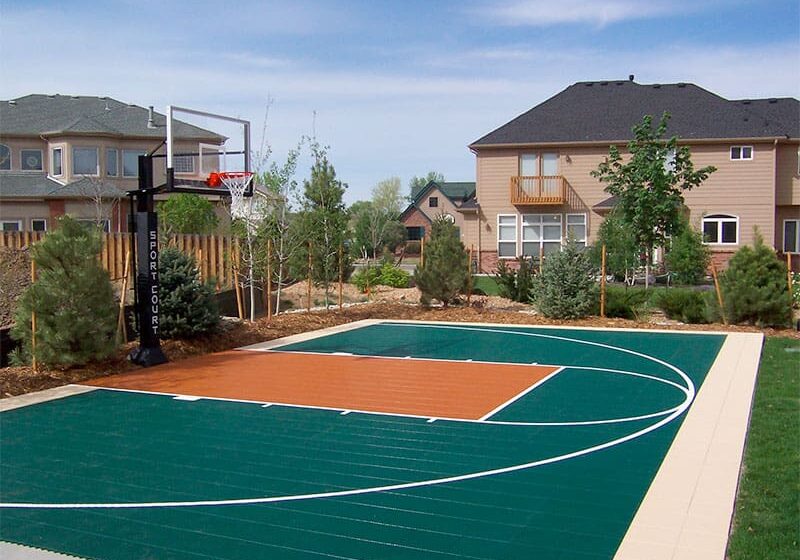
84	161
544	164
5	158
31	160
741	152
183	164
433	202
112	162
56	162
130	162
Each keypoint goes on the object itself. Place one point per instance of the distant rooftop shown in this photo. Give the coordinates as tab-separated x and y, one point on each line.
37	114
607	110
455	191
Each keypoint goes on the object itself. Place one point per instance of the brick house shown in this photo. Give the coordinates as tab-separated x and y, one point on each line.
533	185
452	200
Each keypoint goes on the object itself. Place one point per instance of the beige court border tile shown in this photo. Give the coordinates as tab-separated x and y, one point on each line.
695	488
10	403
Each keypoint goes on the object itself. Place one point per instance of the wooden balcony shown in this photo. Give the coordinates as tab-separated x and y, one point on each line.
538	190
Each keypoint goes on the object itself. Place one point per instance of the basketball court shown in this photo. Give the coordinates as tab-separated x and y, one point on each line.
388	439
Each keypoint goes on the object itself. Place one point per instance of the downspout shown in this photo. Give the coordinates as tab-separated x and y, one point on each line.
775	241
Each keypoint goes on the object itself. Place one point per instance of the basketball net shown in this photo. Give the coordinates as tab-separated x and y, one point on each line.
237	184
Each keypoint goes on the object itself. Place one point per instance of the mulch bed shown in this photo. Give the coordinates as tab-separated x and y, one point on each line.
15	277
20	380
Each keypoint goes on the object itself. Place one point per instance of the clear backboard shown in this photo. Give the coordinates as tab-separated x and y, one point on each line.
202	146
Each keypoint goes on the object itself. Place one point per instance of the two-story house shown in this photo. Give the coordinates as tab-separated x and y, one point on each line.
78	155
449	199
534	187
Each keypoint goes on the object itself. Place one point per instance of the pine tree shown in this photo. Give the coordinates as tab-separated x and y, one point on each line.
566	287
754	287
444	273
187	305
76	317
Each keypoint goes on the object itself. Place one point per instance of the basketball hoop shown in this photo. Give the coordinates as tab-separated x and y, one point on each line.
237	183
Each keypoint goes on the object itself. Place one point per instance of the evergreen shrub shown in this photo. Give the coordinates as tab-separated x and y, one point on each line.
682	304
385	275
566	288
625	302
188	308
754	287
444	274
76	316
516	284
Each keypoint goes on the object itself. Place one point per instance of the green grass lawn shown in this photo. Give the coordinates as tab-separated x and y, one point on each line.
767	518
485	283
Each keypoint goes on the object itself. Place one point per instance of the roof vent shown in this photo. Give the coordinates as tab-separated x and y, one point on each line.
630	77
52	96
589	84
603	83
746	102
619	83
681	84
656	86
75	96
12	102
772	100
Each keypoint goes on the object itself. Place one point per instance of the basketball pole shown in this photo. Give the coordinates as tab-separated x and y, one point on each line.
144	224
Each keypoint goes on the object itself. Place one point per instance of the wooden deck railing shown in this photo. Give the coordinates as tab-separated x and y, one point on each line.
541	189
212	252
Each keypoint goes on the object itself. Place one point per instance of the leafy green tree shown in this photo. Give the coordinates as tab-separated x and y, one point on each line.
650	184
417	183
323	220
566	288
621	248
187	213
376	223
76	317
187	304
754	287
444	274
688	258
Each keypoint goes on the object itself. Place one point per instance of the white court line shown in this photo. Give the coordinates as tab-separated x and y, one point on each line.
678	411
519	395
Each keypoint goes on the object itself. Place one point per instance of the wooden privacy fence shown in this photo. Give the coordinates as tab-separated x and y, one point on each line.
212	252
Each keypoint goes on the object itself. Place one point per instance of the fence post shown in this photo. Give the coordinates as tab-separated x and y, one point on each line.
308	288
33	324
719	293
603	282
469	274
341	275
121	326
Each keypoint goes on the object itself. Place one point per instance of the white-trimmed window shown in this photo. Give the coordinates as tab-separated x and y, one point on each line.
130	162
57	162
31	160
576	228
183	164
11	225
721	229
741	152
5	158
112	162
39	224
541	232
506	236
791	236
85	161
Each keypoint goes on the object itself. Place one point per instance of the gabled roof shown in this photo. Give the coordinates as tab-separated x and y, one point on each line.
456	191
606	111
39	185
36	114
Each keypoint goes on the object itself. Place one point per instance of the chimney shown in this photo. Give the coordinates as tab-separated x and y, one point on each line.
150	123
630	77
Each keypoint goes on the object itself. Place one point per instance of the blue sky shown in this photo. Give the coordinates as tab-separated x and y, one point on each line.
399	88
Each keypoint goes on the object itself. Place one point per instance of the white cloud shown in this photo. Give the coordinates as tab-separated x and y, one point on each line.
542	13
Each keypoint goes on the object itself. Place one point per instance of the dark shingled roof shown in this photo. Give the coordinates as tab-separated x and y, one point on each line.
606	111
455	191
34	115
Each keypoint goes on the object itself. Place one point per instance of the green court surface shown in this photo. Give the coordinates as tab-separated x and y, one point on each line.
557	474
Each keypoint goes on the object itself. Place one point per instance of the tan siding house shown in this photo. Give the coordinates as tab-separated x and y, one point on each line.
534	187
